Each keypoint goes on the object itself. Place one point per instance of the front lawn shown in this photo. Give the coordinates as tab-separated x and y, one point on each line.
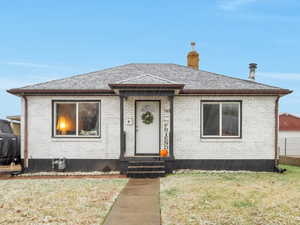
57	202
232	198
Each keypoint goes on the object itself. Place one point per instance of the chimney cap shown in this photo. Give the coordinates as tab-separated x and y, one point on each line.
253	65
193	52
193	44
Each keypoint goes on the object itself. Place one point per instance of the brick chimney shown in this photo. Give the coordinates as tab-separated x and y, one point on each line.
193	58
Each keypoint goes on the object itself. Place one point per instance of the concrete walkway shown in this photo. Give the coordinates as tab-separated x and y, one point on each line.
137	204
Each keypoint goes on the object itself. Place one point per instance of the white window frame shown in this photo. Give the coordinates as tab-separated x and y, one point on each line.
54	119
221	103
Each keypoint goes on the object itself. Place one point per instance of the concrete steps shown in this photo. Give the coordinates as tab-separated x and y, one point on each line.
146	168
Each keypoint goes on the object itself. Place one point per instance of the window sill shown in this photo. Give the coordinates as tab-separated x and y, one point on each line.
76	139
236	140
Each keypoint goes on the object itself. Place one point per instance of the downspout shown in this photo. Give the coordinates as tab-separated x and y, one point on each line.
25	132
122	136
276	132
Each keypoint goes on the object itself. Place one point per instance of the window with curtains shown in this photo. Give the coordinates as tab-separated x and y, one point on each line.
221	119
76	119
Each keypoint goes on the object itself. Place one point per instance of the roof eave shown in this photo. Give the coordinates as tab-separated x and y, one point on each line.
280	92
146	86
21	92
288	129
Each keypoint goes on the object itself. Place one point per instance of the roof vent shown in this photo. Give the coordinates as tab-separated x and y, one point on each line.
252	67
193	57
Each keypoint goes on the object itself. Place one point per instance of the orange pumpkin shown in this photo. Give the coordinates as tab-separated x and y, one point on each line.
164	153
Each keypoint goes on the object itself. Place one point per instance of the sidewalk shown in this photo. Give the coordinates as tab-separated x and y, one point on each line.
137	204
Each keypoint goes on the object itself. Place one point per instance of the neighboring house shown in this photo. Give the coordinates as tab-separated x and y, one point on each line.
289	134
15	124
9	145
106	119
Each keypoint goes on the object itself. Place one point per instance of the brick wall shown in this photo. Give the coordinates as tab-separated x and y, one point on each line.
258	133
257	140
42	145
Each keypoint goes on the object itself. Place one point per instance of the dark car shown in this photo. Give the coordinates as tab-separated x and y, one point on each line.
9	144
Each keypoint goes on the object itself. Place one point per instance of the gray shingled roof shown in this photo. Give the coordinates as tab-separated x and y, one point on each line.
150	73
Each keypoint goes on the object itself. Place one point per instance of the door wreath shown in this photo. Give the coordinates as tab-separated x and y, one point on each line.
147	117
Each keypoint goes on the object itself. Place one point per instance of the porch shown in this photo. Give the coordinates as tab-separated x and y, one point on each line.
146	127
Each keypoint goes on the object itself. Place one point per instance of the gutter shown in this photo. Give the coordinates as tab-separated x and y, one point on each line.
146	86
21	92
237	91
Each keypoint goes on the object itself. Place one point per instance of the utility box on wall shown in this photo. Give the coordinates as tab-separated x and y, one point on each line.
59	165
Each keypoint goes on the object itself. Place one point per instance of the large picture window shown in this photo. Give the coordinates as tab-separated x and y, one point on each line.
76	119
221	119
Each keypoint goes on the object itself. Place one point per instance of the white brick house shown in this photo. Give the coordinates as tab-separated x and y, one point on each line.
101	120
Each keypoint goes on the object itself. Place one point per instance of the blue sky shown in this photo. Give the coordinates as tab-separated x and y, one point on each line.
45	40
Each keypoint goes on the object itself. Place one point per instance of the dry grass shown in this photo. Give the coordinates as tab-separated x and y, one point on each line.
57	202
232	199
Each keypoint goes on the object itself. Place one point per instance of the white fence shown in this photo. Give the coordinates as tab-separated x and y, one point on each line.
289	146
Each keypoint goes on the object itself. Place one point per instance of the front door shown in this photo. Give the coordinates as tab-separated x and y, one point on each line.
147	127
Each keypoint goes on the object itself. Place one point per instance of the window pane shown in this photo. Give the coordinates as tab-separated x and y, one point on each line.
66	119
88	119
230	119
211	120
